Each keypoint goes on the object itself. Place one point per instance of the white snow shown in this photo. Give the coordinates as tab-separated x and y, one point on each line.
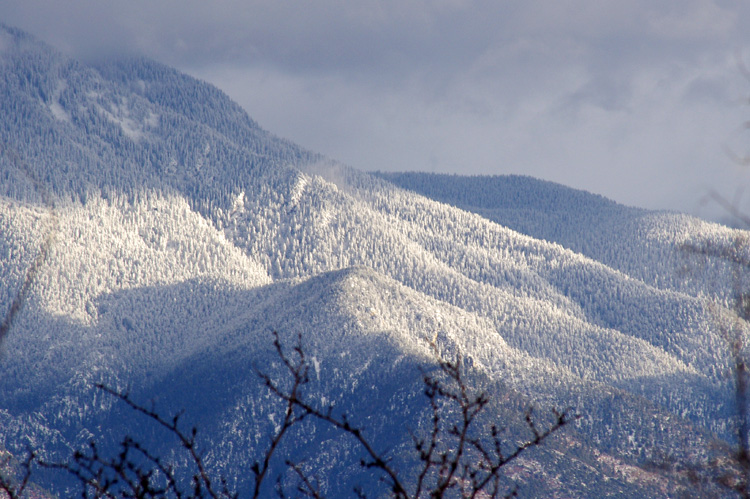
54	105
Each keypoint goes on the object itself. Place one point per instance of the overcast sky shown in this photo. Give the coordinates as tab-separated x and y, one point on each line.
637	100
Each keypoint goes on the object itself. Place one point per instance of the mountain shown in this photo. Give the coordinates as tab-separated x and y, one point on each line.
164	235
640	243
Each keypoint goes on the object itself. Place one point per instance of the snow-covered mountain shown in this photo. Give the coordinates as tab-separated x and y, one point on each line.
172	234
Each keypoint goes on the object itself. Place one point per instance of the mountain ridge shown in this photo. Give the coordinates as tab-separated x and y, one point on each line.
184	234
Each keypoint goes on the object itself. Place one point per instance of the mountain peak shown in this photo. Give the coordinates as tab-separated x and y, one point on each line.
157	235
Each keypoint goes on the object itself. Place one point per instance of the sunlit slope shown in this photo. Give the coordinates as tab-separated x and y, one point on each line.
646	245
366	335
174	235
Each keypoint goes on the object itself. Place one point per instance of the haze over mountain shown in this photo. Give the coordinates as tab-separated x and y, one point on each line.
181	234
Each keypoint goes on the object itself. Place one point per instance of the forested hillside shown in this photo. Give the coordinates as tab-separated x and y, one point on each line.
175	234
638	242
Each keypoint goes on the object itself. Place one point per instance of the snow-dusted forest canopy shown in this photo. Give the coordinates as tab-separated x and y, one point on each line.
181	234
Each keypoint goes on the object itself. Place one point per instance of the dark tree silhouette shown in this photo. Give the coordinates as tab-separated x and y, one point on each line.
19	299
454	460
732	472
13	486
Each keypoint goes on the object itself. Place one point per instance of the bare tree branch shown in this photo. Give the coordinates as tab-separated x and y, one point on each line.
455	459
12	487
441	470
19	300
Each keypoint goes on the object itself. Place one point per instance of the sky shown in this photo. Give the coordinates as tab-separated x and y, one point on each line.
643	101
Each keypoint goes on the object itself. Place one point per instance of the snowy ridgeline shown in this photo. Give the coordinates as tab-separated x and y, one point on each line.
182	234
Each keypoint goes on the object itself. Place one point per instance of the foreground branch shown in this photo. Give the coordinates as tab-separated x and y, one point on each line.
451	458
460	456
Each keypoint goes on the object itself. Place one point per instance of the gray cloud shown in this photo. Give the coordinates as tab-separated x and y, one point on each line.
634	100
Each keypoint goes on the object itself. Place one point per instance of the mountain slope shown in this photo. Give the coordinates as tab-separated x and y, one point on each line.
182	234
641	243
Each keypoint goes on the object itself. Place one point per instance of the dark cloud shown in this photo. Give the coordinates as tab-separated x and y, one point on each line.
634	100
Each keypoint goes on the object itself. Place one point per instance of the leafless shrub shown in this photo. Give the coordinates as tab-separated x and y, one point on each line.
455	460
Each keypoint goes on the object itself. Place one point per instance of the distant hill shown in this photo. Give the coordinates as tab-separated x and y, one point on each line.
638	242
181	234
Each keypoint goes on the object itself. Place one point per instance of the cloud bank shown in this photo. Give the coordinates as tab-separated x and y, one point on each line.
634	100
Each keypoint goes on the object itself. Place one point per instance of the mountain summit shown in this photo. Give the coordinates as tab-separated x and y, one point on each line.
163	235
